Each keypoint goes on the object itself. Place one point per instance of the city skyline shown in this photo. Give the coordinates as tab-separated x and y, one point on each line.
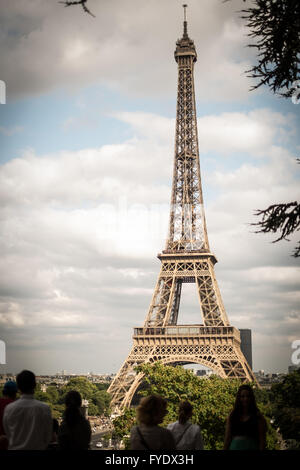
87	151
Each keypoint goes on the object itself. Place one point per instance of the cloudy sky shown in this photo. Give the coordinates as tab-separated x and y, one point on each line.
87	142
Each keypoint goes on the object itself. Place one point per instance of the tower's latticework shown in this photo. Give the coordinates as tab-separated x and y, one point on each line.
186	258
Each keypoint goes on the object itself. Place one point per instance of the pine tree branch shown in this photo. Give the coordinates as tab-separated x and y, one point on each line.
274	26
283	218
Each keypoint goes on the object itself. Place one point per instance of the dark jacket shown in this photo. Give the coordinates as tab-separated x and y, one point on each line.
76	437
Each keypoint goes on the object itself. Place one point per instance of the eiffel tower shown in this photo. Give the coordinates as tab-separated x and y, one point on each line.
186	258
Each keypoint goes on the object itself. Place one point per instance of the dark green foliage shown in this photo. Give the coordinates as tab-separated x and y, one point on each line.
101	399
122	425
102	385
285	398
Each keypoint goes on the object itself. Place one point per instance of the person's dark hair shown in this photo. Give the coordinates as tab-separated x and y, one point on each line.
237	409
185	412
72	412
151	410
26	381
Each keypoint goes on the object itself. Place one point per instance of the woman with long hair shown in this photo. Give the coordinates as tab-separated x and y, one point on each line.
245	426
187	436
148	435
75	431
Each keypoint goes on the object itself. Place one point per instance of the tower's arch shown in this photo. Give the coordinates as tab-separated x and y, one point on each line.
168	362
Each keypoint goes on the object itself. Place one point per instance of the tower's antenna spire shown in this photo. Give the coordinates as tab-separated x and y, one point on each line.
185	35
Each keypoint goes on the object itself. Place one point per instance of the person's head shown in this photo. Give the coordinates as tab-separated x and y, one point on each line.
72	412
10	389
245	400
151	410
185	411
73	398
26	382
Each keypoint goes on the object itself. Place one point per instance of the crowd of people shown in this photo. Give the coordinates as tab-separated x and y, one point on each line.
27	424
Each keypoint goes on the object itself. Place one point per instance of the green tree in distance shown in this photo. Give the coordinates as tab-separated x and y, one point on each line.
81	385
102	400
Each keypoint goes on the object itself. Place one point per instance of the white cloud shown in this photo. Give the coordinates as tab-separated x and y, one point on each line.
11	319
150	126
253	132
127	47
267	274
89	175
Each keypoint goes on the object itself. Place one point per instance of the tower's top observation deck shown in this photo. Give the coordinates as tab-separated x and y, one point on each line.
185	46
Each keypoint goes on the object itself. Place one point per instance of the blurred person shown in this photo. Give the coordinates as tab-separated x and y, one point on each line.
75	431
187	436
27	422
148	435
9	395
245	427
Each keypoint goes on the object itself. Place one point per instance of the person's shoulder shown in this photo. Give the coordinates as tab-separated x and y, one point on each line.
167	438
82	424
11	405
40	404
136	427
195	427
172	425
5	402
165	431
133	430
261	419
87	423
258	414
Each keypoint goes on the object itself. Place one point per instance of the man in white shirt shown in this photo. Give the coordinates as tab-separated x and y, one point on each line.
27	422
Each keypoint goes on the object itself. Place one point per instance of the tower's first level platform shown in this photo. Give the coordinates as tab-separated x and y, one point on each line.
185	333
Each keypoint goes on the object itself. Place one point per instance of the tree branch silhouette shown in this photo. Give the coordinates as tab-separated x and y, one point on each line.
283	218
275	27
78	2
